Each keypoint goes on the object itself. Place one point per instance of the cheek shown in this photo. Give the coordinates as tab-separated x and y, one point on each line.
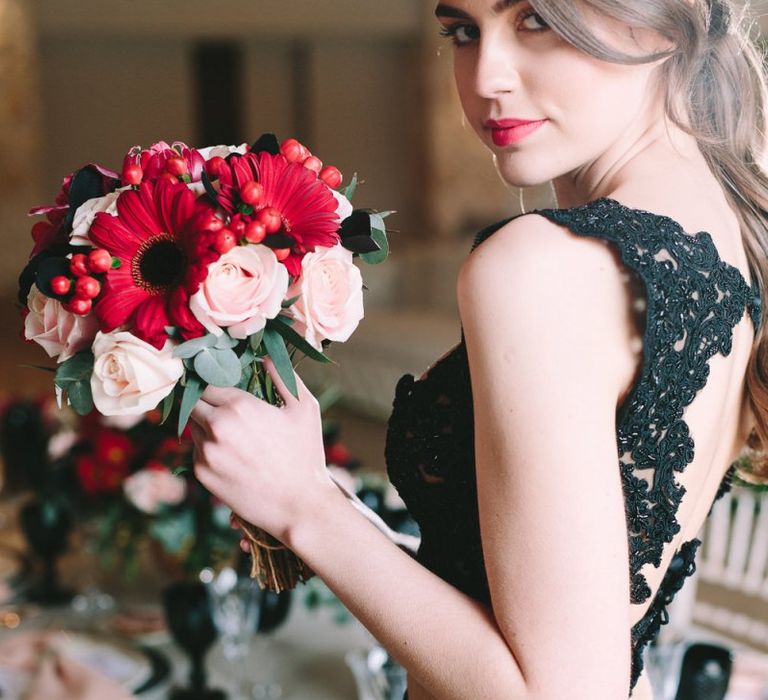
464	76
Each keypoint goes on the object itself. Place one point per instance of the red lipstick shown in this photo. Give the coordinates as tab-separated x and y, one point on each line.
505	132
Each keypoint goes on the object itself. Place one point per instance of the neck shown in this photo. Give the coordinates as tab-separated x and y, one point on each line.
657	147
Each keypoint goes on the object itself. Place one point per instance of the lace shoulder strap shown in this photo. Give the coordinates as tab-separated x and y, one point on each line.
692	300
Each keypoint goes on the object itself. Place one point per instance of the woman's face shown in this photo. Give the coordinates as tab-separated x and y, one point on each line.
544	108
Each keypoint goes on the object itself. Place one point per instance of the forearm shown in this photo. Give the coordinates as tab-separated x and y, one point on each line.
447	641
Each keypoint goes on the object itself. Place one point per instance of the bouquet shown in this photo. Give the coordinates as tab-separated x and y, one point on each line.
188	268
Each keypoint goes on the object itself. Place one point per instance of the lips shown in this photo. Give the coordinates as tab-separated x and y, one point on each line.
505	132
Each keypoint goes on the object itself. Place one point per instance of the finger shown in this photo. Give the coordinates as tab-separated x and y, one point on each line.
219	396
245	545
288	398
202	413
198	432
285	393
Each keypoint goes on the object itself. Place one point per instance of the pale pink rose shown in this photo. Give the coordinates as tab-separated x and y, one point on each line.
244	288
151	489
222	151
59	332
122	422
330	304
86	213
131	376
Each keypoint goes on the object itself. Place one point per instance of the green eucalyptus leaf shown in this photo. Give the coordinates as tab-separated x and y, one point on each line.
255	340
79	394
246	359
379	237
77	368
167	405
225	342
277	351
290	302
218	367
351	188
245	377
192	392
194	346
297	340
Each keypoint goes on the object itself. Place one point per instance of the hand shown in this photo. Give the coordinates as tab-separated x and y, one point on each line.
267	463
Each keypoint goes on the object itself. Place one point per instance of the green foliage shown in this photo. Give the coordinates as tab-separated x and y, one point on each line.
281	326
275	346
193	390
379	236
218	367
351	188
73	376
287	303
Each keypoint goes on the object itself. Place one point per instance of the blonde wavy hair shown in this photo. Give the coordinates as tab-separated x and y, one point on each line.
714	78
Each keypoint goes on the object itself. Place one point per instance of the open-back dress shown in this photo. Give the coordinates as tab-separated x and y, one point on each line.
430	451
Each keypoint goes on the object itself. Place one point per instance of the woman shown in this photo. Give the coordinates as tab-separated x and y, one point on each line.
544	570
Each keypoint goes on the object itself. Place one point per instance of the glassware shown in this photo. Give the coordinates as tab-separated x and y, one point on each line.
377	674
46	525
188	612
235	604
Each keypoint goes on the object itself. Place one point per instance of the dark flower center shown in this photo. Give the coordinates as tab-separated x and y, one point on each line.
159	264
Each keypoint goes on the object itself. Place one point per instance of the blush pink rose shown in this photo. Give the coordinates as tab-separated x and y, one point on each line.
245	287
131	376
86	213
151	489
330	290
60	333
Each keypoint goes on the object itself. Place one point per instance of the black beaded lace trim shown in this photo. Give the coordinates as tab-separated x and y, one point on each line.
647	628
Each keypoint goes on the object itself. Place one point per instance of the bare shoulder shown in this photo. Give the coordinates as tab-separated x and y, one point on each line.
538	271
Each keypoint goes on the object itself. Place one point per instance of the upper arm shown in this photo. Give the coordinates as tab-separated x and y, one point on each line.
544	313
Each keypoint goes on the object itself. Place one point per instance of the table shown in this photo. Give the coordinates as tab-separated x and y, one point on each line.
305	655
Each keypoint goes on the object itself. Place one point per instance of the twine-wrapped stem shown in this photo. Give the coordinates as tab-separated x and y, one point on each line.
273	565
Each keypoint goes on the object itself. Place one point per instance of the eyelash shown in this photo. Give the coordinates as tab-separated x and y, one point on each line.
451	32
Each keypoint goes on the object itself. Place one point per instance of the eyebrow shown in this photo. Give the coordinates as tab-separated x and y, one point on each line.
443	10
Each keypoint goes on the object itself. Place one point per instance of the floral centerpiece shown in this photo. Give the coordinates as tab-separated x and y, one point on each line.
187	269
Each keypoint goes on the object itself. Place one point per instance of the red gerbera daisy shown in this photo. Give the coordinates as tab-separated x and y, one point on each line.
306	204
161	237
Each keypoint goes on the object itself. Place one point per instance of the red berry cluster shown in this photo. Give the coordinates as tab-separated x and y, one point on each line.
265	220
132	174
211	241
82	285
295	152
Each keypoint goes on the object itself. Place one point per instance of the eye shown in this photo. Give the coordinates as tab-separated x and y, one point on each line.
461	34
532	21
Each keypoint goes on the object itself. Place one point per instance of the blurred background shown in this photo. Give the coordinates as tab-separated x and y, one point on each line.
367	86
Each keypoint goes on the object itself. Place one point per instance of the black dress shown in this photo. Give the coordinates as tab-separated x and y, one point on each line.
430	436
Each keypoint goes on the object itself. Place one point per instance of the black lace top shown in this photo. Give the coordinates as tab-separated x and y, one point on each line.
690	293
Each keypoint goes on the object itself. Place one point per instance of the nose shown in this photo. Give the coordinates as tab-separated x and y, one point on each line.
496	71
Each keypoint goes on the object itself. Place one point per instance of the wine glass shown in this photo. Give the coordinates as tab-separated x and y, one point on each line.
235	604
